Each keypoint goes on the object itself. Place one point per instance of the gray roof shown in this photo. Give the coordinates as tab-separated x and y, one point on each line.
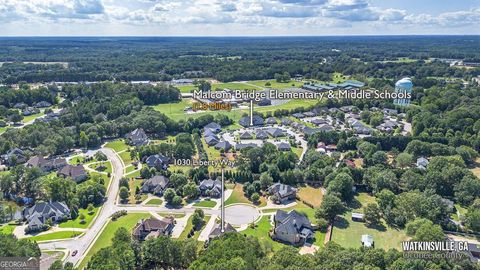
217	231
271	120
281	190
246	135
73	171
240	146
158	181
225	145
292	222
213	126
275	132
257	121
284	146
157	160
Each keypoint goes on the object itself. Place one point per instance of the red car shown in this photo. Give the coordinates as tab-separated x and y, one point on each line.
74	253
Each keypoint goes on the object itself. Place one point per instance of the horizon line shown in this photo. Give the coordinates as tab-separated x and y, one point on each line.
237	36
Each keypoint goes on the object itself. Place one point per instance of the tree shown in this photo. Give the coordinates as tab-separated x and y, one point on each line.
169	194
190	190
124	193
472	219
100	156
379	157
177	200
342	184
90	208
82	218
467	190
255	197
83	140
372	214
467	153
145	173
197	219
124	183
331	207
403	160
178	180
266	180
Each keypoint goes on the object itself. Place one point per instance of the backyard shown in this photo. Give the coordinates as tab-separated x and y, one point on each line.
348	233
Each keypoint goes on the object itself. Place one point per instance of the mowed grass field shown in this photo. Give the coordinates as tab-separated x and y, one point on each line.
105	238
75	223
54	235
238	196
311	195
348	233
176	110
117	145
277	85
215	86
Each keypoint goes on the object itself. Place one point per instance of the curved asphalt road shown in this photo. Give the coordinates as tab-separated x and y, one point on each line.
83	243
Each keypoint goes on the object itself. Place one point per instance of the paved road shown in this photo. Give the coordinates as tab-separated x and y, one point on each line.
110	206
83	243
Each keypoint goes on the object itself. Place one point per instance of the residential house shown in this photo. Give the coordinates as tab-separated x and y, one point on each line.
211	188
30	111
245	121
223	145
422	163
292	227
217	230
137	137
298	115
261	135
155	185
275	132
76	172
211	140
240	146
43	104
284	146
157	161
271	121
286	121
387	111
282	192
44	164
20	106
265	102
151	228
14	156
309	114
318	121
246	135
214	127
37	215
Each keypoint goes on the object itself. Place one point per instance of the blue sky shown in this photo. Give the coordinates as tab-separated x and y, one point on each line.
237	17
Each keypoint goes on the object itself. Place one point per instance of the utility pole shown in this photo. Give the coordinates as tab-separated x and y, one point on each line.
251	112
222	213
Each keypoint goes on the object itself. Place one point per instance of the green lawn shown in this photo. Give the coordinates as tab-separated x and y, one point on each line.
107	164
106	179
297	151
32	117
235	86
154	201
348	233
117	145
54	236
76	222
77	160
133	184
125	156
460	210
261	232
7	228
277	85
105	238
133	174
300	207
187	229
129	169
205	203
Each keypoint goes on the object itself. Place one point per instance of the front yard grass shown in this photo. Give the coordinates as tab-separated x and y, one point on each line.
261	231
348	233
54	236
205	203
154	201
105	238
75	223
238	196
187	229
206	219
125	156
117	145
7	228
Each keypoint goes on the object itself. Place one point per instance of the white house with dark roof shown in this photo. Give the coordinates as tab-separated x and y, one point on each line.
271	121
44	164
284	146
246	135
137	137
275	132
223	145
292	227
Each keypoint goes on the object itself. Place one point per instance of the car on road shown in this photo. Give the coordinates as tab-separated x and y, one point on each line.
74	253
